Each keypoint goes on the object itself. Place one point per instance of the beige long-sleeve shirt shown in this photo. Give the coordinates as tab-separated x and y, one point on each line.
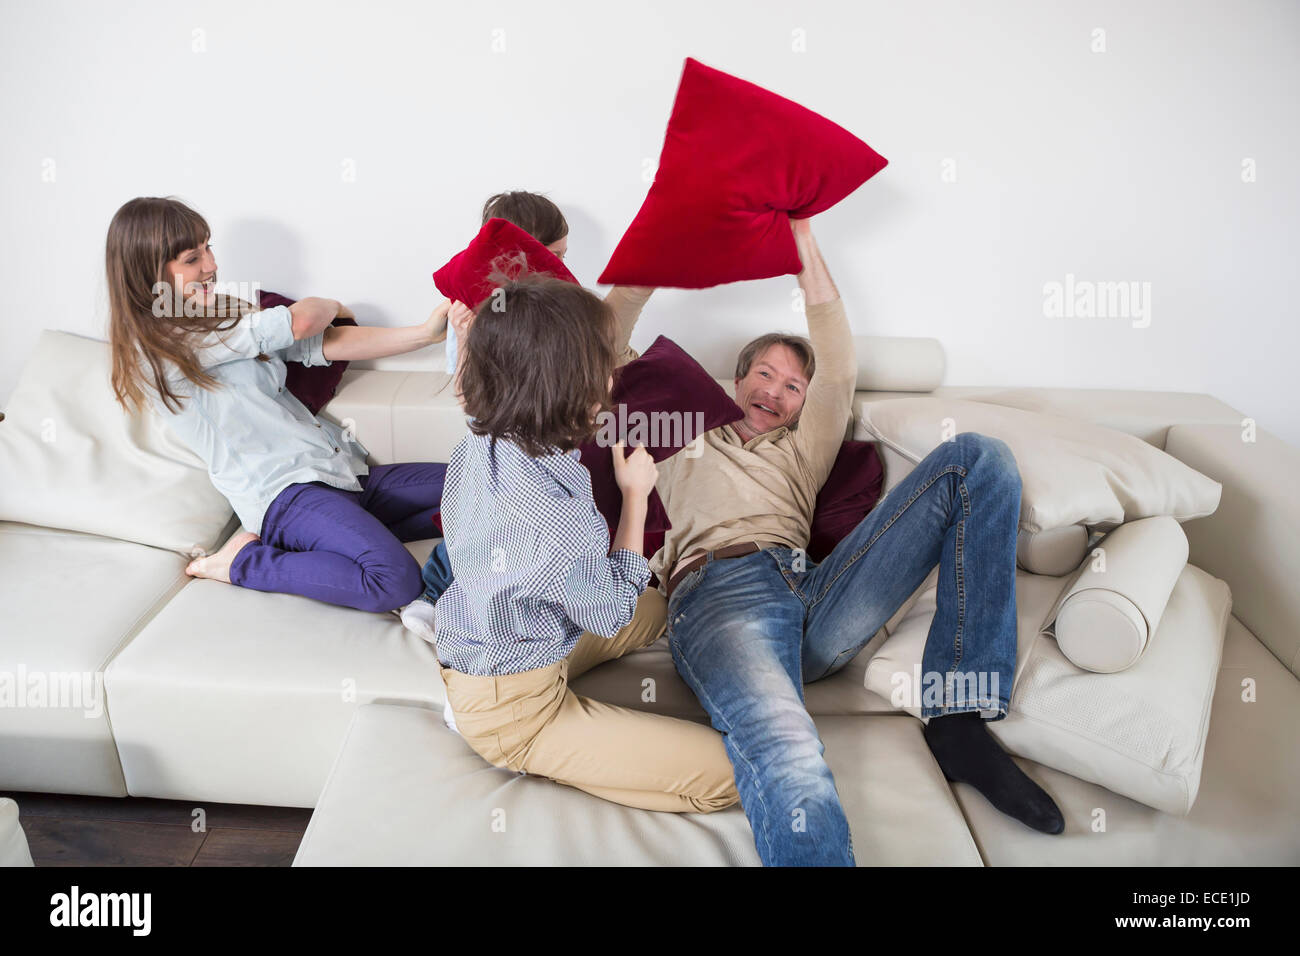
627	303
726	491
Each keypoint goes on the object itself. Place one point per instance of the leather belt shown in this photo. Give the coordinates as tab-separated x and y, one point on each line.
731	551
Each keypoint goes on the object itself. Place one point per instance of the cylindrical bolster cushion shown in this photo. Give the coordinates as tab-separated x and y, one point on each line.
890	363
1105	617
1055	553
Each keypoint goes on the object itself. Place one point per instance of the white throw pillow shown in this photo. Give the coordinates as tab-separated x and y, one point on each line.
1114	604
1054	552
1072	472
1140	733
71	458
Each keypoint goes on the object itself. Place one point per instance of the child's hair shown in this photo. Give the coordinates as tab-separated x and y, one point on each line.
531	212
143	237
538	358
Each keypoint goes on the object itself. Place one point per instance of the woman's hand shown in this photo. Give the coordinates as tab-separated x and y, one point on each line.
635	474
346	313
435	326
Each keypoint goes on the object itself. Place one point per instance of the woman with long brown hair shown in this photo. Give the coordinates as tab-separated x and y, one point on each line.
317	521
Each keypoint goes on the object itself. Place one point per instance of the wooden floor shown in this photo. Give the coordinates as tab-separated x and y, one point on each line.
64	830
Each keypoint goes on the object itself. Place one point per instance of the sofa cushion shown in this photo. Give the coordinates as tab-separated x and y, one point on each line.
243	696
1071	472
738	163
1140	732
406	791
71	601
1144	414
1245	812
399	416
647	680
71	458
1053	552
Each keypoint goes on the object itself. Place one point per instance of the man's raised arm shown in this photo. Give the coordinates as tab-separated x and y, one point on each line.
627	301
829	403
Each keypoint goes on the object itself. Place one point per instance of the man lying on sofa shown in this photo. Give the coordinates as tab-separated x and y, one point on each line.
751	619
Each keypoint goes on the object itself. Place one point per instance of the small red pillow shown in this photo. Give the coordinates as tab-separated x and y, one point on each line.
500	246
850	492
313	386
667	383
738	163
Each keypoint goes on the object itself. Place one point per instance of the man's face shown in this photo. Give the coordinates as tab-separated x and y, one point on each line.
772	394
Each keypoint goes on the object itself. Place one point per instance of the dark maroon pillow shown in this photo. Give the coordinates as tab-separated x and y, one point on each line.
850	492
316	385
500	246
661	401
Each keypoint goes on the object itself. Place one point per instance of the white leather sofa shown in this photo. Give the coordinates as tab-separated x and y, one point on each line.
215	693
13	842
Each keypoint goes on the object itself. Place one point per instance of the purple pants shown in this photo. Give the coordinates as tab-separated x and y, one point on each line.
345	547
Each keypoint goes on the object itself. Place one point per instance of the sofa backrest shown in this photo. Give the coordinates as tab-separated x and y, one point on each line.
70	458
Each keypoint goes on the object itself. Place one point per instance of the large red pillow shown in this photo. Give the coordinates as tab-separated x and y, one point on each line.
667	383
315	385
738	163
500	246
850	492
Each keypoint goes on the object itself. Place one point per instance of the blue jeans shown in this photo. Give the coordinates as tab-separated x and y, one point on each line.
747	633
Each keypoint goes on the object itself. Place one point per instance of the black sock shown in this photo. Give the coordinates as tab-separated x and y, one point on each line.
967	753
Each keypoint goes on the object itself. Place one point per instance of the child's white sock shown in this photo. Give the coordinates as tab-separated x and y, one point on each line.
419	618
449	718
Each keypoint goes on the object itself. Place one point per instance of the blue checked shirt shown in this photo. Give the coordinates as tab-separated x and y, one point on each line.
254	436
530	555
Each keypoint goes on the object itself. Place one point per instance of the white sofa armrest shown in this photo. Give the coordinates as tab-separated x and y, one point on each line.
1253	540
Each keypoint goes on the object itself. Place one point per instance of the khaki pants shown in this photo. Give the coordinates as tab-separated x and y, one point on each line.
532	722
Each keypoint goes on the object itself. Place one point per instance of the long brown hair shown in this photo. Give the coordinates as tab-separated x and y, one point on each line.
143	237
538	359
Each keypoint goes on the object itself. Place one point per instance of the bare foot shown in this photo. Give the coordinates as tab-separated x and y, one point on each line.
217	566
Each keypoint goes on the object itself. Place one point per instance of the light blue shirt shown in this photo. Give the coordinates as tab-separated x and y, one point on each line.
256	438
450	349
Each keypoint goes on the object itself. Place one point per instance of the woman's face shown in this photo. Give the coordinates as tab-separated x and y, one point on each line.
195	271
560	246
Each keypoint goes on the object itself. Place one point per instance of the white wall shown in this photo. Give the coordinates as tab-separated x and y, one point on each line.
1123	165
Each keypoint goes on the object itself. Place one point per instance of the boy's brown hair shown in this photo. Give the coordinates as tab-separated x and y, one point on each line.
538	359
531	212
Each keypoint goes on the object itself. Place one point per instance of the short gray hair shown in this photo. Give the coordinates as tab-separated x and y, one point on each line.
798	344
